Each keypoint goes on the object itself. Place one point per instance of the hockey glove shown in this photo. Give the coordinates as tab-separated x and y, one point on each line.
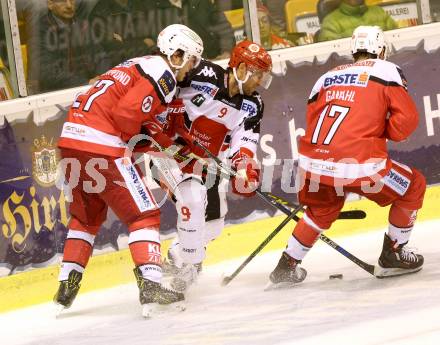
248	174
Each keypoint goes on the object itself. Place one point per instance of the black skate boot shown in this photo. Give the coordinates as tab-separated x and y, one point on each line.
397	260
152	293
287	273
68	290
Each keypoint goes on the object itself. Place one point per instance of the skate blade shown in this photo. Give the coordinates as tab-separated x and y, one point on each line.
148	310
59	308
154	309
381	272
279	286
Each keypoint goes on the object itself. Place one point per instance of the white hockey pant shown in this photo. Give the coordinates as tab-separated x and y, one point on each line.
213	229
190	205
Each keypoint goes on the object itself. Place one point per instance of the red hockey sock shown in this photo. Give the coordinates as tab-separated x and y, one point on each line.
145	250
303	238
78	248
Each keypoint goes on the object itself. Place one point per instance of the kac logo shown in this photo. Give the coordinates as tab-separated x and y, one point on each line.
147	104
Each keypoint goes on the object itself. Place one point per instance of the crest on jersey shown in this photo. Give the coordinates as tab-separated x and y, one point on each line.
198	100
44	162
147	104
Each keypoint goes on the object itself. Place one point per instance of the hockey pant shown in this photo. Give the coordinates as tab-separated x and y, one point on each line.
403	188
200	204
96	183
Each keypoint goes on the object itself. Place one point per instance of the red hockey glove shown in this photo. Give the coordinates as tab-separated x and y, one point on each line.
248	174
155	132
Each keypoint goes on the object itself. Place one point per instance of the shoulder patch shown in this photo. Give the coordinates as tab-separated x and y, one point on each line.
166	83
198	100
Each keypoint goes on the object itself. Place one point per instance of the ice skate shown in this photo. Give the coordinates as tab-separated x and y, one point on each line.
67	292
396	260
185	277
152	295
286	274
171	264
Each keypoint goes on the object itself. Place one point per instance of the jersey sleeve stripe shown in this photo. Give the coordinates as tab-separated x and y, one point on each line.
384	82
313	99
153	82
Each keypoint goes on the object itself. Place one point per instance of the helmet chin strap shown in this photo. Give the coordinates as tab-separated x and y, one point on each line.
240	82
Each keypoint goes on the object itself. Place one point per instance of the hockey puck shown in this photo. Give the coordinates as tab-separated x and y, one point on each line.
336	276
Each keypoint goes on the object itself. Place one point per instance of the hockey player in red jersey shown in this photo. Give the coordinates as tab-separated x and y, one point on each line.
129	99
221	110
352	111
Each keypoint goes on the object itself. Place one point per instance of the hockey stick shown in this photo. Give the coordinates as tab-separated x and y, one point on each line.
350	214
271	199
226	280
276	203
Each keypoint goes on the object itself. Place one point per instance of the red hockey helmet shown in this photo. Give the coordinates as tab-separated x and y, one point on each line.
252	54
256	58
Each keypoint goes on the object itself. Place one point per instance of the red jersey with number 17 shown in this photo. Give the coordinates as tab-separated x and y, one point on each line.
113	110
352	111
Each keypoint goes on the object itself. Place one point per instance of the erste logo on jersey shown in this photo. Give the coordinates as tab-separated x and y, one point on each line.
208	72
347	79
249	107
206	88
147	104
166	83
397	181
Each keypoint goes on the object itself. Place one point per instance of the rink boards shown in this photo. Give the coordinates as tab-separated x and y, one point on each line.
111	269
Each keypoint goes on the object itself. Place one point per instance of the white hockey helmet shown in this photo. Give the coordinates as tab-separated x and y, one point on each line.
177	36
368	39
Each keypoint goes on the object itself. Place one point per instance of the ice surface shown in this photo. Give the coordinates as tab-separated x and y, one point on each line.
358	309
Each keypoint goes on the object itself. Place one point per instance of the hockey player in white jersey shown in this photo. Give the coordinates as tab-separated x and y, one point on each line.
220	109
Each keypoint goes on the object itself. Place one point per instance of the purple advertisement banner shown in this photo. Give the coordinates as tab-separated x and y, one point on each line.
34	213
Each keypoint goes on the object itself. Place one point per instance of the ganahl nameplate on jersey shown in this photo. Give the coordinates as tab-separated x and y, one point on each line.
44	162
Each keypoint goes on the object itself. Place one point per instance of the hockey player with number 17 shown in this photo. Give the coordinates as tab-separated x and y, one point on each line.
352	111
222	111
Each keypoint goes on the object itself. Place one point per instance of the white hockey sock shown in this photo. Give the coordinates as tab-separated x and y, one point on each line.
295	249
401	235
